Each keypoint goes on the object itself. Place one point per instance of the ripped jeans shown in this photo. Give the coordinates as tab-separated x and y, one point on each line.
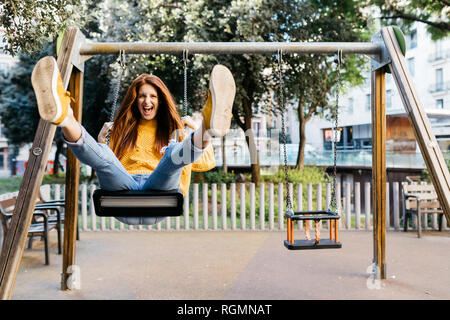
113	176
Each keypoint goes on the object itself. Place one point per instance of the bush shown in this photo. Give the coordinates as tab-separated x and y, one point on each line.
307	175
219	176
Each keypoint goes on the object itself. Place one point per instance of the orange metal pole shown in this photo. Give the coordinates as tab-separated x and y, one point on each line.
292	231
289	229
335	230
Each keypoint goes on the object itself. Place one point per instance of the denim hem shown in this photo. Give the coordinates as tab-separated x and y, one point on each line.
79	142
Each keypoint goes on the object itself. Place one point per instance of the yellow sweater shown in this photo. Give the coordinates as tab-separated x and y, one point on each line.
143	159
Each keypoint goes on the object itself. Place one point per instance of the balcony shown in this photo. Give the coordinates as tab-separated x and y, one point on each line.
353	158
439	87
439	56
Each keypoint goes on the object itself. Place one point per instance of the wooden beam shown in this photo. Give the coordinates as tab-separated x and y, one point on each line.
426	139
72	179
379	169
15	240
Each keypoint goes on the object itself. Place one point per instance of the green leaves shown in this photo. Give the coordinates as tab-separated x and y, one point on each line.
434	13
27	24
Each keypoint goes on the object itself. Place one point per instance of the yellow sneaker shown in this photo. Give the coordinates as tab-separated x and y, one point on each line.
217	111
52	100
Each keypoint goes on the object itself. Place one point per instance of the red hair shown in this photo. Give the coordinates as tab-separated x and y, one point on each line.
126	121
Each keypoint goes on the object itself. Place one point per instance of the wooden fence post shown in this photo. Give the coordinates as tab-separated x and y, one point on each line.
242	206
367	204
214	205
396	199
233	205
280	206
357	205
299	202
186	210
319	199
195	206
252	206
205	206
348	206
262	207
271	207
92	208
223	205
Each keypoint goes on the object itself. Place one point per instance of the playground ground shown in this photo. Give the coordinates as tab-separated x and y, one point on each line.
238	265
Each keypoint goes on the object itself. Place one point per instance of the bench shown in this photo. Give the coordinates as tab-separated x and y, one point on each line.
420	199
40	225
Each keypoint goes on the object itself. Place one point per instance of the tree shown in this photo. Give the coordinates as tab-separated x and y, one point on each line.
107	20
233	21
310	80
18	107
28	24
434	13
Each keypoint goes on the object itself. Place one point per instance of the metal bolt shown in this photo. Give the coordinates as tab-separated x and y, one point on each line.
37	151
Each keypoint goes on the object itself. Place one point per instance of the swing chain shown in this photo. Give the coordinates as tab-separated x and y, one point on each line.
122	66
185	62
338	60
283	128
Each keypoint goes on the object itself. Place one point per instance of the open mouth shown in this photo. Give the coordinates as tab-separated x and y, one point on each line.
148	109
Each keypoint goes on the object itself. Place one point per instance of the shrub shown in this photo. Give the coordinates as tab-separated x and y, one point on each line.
219	176
308	174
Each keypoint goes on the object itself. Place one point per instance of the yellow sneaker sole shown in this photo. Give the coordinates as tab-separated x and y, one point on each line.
223	91
44	79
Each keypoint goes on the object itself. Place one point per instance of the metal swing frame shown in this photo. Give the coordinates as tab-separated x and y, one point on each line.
385	50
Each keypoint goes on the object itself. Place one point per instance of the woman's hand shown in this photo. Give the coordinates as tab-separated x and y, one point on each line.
107	126
188	121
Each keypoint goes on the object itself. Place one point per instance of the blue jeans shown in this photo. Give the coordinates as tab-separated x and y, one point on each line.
113	176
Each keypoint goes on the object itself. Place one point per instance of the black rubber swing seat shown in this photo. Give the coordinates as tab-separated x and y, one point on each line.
149	203
305	244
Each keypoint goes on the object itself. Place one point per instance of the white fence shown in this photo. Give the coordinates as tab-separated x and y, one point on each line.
249	207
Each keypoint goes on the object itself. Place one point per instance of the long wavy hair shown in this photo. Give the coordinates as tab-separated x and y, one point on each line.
125	129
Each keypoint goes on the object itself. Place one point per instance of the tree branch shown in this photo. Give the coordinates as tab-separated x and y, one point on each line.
401	15
237	118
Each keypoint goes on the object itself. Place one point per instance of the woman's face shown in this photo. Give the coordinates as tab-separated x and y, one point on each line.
147	101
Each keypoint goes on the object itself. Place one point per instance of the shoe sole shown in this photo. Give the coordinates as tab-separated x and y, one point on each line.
44	79
223	90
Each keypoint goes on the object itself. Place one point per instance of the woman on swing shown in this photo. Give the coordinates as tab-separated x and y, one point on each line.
149	149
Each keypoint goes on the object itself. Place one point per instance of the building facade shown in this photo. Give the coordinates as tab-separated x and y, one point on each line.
429	65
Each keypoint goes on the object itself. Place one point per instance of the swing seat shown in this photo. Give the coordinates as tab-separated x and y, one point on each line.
149	203
318	216
311	244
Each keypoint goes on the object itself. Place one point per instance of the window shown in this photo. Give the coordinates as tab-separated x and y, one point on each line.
368	102
411	66
257	128
388	99
439	80
440	104
388	78
439	51
4	159
411	39
350	105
